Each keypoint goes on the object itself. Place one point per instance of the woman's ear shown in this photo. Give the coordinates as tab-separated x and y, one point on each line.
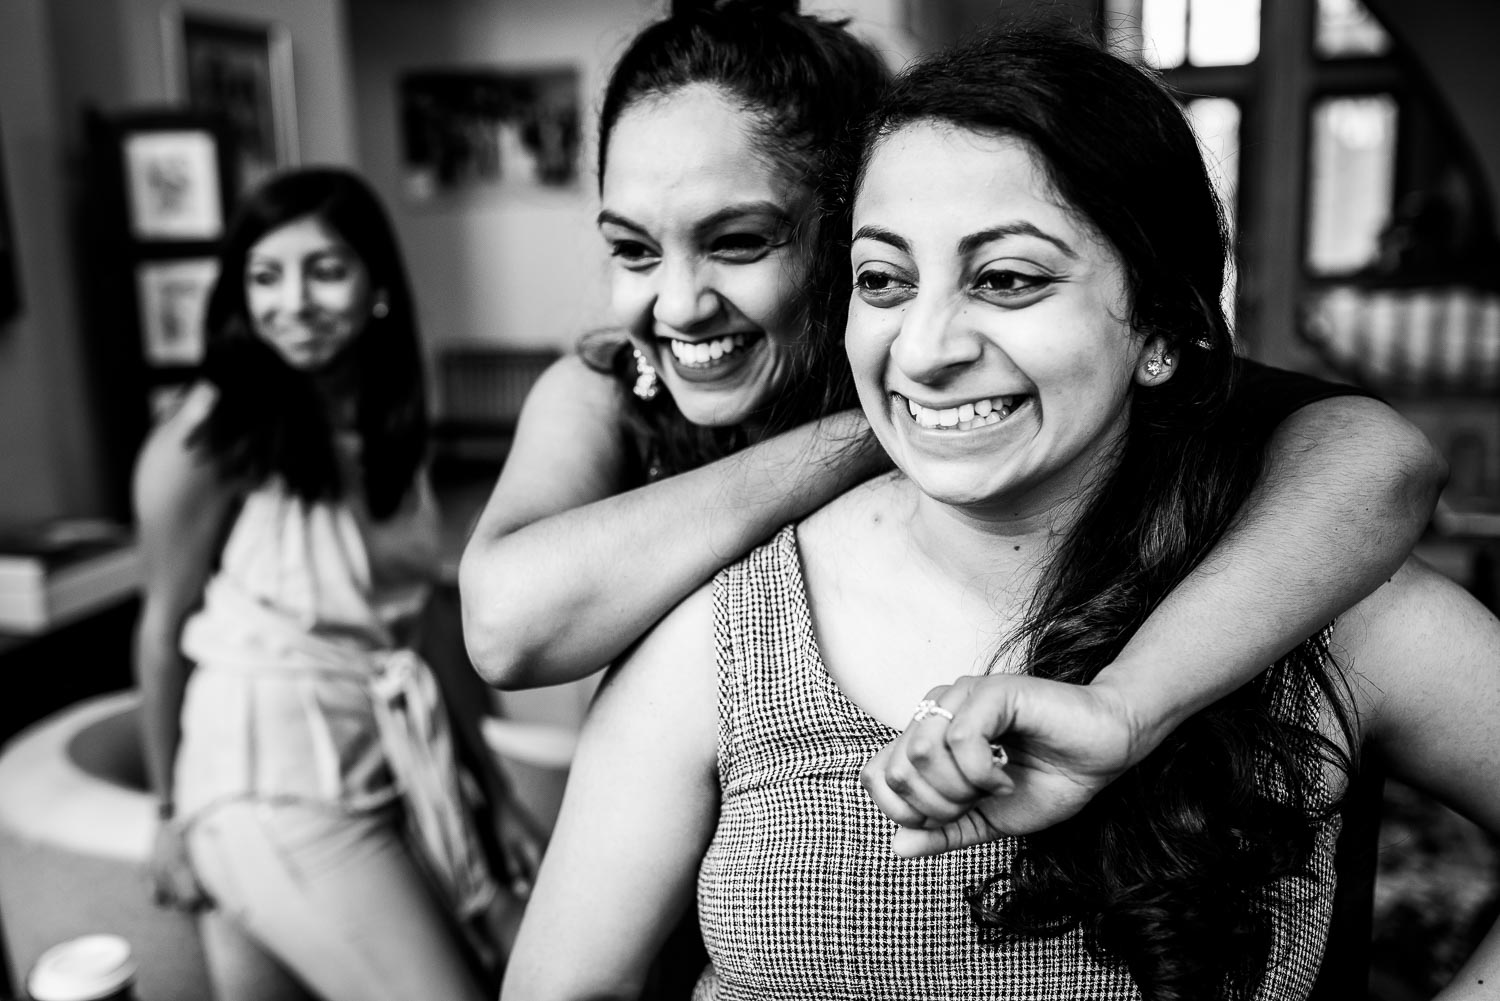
1156	363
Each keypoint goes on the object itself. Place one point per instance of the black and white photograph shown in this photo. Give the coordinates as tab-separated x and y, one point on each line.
709	500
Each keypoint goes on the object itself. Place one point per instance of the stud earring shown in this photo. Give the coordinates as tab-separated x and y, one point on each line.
647	382
381	309
1157	364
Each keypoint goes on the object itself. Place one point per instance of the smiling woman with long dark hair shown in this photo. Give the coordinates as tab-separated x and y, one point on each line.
290	540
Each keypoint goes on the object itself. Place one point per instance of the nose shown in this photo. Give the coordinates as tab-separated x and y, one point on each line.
293	292
936	341
685	297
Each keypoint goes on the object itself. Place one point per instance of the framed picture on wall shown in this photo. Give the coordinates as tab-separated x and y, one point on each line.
497	129
173	296
172	184
10	280
241	70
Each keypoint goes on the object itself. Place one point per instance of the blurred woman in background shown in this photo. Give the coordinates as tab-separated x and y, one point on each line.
311	804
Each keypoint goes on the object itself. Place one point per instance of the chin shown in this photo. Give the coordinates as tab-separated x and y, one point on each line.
953	485
714	410
711	416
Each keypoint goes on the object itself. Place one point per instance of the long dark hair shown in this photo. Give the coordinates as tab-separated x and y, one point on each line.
804	82
1174	869
268	420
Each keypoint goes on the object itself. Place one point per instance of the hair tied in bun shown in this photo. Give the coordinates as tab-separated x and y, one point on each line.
743	8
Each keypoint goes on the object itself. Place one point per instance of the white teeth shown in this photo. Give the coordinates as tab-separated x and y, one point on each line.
705	352
980	413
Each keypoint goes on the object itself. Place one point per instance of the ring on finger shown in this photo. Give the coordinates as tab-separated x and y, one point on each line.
928	707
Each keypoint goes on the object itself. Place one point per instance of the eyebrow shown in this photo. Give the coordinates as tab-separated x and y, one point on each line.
726	214
973	241
334	251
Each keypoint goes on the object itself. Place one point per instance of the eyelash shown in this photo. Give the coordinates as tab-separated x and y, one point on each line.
896	289
1026	283
884	296
731	248
325	272
746	247
632	254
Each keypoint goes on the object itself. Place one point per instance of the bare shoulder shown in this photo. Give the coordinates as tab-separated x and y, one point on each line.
182	505
856	520
571	423
1424	662
570	448
1415	639
570	380
172	470
671	669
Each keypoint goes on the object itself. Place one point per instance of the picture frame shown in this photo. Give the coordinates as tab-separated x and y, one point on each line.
173	186
10	268
241	70
489	128
173	298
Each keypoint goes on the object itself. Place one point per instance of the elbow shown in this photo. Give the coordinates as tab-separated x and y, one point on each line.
495	654
496	637
1423	473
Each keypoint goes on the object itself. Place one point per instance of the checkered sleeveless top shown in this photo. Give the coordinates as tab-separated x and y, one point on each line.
800	896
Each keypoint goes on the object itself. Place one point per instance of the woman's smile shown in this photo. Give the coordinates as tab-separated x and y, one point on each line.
712	359
983	412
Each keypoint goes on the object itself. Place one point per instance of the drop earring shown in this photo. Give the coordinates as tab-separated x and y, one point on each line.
647	382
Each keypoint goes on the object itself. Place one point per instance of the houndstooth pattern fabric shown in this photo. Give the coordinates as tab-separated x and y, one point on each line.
799	894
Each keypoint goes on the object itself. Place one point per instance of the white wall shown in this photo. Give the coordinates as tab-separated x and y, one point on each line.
520	268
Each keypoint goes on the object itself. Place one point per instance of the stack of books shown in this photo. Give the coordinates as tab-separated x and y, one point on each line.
59	571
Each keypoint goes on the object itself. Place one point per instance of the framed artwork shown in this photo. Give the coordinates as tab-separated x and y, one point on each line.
172	184
173	296
489	128
10	270
240	70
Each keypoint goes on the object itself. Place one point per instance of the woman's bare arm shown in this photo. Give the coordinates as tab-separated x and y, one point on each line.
1425	662
566	567
1348	488
180	508
640	809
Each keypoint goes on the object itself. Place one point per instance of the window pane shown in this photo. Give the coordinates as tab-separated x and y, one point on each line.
1347	28
1353	180
1223	32
1217	122
1164	32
